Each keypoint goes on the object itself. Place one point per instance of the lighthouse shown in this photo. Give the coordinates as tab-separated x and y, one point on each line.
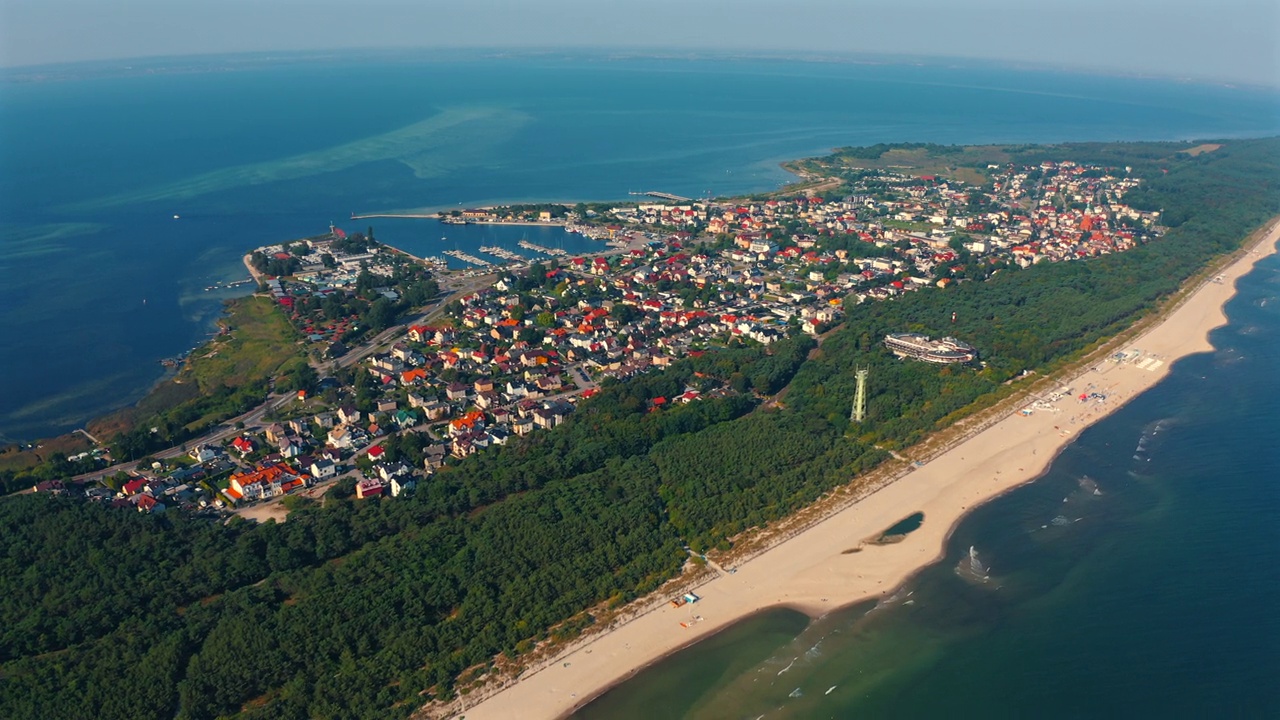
859	410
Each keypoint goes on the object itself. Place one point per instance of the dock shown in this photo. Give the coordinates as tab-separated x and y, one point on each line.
663	196
231	284
555	252
410	216
503	253
468	257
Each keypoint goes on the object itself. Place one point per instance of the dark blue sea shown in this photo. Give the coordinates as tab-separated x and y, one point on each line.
98	281
1153	598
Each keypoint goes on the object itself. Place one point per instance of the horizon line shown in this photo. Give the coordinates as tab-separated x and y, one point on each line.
19	72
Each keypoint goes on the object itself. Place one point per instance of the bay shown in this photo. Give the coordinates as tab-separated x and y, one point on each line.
98	281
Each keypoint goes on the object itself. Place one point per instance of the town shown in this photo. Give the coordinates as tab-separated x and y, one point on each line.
492	354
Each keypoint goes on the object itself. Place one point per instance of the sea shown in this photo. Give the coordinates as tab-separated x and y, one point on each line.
129	188
1136	578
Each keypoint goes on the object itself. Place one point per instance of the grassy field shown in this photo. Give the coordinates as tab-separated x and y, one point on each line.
259	342
11	458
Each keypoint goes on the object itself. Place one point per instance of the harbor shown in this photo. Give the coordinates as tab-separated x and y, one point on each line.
228	285
503	253
468	258
554	252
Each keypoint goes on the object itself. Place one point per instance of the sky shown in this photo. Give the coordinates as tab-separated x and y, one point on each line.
1236	41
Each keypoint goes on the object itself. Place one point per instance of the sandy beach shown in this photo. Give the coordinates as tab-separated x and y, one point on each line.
253	271
809	572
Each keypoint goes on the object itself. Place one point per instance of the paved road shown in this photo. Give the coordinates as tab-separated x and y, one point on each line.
251	419
468	286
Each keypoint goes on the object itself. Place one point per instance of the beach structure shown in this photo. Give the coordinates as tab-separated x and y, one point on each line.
920	347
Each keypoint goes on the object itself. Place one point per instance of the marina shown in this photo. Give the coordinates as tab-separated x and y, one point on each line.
594	232
503	253
468	258
226	285
554	252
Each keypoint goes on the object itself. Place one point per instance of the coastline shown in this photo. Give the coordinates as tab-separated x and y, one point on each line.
810	572
253	271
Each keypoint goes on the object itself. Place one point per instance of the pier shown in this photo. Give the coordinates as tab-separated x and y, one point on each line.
231	284
555	252
431	261
467	257
663	196
503	253
412	216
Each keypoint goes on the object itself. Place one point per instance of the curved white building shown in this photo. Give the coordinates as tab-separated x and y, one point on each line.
920	347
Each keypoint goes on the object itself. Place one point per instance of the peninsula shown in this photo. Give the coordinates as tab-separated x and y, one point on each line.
506	483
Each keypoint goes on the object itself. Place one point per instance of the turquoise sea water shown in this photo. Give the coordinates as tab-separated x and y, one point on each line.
98	281
1155	598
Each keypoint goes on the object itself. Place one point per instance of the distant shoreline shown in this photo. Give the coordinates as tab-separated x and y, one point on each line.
55	70
809	573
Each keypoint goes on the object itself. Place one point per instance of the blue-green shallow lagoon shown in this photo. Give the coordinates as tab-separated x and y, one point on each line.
1154	598
98	281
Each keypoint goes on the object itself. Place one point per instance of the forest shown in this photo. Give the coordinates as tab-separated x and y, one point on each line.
369	609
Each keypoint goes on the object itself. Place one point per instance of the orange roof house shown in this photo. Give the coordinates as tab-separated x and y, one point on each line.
416	375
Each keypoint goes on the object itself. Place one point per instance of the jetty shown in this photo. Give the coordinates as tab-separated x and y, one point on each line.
231	284
663	196
468	257
412	216
503	253
555	252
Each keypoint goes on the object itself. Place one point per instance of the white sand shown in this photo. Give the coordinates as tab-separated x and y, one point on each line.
810	573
